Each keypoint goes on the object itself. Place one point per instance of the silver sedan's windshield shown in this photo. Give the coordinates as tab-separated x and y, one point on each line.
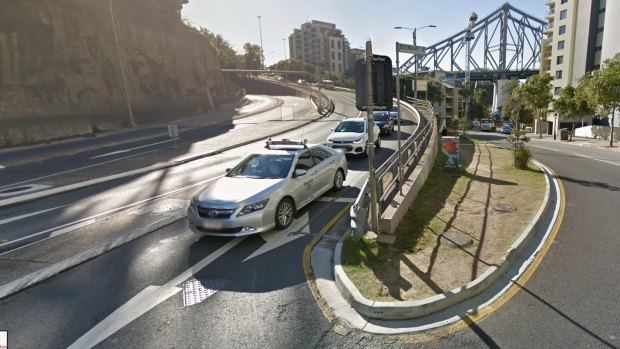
381	116
350	126
263	166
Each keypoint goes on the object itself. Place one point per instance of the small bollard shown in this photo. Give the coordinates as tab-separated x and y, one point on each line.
173	132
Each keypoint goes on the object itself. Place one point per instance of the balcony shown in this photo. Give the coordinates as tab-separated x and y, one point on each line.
551	13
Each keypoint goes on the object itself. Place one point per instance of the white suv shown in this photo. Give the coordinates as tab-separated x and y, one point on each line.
351	136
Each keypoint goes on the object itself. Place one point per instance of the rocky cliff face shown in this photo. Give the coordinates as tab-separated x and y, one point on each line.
60	72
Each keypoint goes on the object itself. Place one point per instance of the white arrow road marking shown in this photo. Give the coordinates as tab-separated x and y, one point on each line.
144	301
277	238
13	219
130	149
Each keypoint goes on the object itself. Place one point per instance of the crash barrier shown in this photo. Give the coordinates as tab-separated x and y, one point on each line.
323	103
387	177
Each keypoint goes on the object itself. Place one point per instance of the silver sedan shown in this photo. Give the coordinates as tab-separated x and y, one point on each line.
265	189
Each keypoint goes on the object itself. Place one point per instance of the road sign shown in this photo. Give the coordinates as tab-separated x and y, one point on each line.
414	50
381	83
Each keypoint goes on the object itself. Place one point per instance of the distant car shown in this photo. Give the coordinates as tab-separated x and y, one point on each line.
351	136
487	125
474	124
266	189
506	129
384	120
394	112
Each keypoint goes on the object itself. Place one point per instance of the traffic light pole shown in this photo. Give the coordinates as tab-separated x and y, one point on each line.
400	164
370	146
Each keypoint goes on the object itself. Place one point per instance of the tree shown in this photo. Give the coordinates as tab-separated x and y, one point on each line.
514	106
226	55
536	95
434	93
602	90
570	104
253	56
480	105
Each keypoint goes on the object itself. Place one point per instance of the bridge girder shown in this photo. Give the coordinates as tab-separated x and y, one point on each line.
506	40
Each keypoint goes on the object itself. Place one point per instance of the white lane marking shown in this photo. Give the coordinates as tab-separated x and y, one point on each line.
76	169
13	219
26	189
144	301
68	227
1	167
130	149
578	155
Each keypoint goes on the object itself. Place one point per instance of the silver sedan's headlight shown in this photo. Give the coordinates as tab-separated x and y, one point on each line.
257	206
359	140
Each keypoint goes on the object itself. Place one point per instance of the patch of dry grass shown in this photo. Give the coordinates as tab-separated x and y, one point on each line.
417	265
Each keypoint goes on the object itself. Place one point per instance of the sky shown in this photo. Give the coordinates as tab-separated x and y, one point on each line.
359	20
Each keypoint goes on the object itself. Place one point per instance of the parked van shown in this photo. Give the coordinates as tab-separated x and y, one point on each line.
327	84
487	125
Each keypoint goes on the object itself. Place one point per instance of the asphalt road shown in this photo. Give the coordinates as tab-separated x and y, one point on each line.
265	297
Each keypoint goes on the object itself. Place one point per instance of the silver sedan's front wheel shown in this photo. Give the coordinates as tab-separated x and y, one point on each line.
284	213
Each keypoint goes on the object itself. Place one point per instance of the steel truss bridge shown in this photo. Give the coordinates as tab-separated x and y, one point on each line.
504	44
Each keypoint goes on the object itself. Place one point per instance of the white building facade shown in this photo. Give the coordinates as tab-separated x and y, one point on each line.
581	34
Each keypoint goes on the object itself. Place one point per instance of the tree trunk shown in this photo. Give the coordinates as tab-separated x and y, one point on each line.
539	127
572	131
611	137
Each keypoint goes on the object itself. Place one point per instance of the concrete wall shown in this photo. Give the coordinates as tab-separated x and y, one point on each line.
59	67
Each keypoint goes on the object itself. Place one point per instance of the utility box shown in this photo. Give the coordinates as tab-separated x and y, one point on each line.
563	134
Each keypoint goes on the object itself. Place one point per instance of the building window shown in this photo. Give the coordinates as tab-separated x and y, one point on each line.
556	91
333	66
562	29
339	56
332	43
563	14
339	45
561	45
564	1
560	60
333	56
339	66
558	74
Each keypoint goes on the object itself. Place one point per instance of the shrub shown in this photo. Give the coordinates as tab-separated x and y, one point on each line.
521	154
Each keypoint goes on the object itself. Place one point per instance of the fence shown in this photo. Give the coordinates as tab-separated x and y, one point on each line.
387	174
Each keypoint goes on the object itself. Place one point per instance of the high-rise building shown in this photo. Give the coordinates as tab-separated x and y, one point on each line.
581	34
320	43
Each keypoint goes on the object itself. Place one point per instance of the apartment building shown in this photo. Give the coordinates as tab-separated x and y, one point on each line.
581	34
322	44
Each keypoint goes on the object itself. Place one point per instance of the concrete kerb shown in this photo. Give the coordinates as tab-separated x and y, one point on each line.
420	308
58	267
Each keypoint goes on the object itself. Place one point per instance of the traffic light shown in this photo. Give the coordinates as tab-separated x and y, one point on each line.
381	83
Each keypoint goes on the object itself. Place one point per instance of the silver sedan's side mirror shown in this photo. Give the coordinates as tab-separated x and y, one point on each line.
228	170
300	172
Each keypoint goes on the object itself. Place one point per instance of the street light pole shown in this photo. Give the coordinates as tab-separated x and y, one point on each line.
260	30
284	43
120	63
415	57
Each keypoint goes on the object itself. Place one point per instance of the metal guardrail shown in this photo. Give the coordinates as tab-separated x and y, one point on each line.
387	174
323	102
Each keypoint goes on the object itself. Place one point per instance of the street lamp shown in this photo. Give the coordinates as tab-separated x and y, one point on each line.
415	78
120	63
260	30
555	120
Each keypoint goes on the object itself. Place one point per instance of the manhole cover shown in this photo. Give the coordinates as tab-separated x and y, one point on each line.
197	290
455	238
503	208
